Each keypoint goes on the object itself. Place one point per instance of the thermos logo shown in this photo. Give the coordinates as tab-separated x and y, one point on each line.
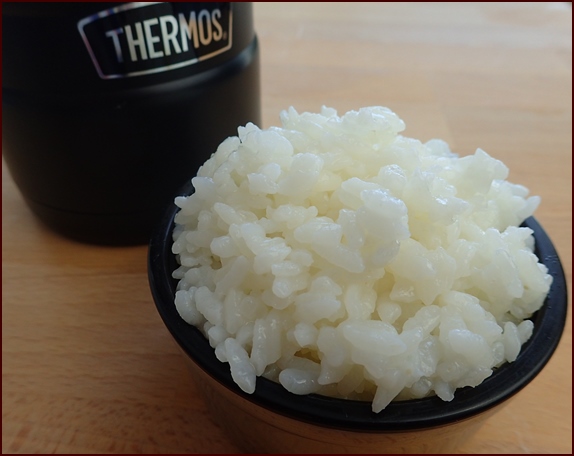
134	39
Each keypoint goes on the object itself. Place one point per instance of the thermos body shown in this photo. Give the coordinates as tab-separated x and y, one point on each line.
108	109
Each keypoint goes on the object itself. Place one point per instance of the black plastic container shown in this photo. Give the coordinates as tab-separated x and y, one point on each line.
109	107
318	424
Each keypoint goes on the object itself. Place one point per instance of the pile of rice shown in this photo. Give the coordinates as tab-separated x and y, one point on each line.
336	256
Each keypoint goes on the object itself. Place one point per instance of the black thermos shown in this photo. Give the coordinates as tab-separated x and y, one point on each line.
109	108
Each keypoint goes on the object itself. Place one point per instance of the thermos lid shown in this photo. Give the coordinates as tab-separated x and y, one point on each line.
116	46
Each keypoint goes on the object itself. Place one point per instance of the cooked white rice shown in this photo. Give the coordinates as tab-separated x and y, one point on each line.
336	256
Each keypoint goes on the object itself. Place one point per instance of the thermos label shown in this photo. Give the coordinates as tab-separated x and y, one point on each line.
135	39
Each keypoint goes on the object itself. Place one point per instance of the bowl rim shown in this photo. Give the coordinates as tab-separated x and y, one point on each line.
354	415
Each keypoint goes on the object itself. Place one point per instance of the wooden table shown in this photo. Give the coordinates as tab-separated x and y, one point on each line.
87	365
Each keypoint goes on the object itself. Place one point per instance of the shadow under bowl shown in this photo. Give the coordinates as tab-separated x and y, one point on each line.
272	420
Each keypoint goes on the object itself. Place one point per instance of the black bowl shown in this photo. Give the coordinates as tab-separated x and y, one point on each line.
350	417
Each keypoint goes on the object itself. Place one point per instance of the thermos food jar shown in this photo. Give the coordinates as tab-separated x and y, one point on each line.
109	108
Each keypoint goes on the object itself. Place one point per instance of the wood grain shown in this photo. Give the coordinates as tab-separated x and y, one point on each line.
87	365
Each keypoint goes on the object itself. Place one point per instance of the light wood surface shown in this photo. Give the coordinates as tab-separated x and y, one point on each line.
87	365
